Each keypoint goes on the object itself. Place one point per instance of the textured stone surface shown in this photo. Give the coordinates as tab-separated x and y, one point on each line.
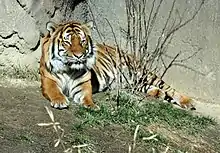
22	22
198	76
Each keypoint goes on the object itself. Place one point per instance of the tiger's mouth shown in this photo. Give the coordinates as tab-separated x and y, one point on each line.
70	63
84	62
79	64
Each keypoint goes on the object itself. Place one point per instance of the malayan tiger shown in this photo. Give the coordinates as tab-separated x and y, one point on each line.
73	67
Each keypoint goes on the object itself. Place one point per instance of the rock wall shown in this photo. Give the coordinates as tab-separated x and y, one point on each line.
200	75
22	22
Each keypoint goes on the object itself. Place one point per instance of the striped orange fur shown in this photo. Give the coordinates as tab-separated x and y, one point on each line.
73	67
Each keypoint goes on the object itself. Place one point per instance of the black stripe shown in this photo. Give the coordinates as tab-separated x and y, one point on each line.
96	70
58	44
77	73
66	91
94	82
107	55
79	84
91	46
153	78
51	67
103	63
76	93
53	49
59	47
90	41
74	25
107	78
61	35
161	84
167	97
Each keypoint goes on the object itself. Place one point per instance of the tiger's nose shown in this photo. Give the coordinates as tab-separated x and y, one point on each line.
78	55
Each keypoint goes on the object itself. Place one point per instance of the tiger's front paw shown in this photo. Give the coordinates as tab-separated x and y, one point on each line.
92	107
60	103
95	108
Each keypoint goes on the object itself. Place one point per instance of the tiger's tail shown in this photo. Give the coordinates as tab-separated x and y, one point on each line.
154	86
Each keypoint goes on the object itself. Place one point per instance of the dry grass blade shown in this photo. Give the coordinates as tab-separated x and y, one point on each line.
53	123
57	142
60	134
129	149
135	136
56	126
48	124
80	146
166	150
153	150
153	137
50	113
62	130
69	150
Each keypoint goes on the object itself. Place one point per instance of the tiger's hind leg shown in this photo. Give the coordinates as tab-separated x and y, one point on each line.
183	101
51	91
176	98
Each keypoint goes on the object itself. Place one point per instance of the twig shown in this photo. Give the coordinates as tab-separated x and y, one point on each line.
189	68
135	136
170	64
96	26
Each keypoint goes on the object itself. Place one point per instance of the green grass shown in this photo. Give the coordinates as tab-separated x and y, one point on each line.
131	113
25	138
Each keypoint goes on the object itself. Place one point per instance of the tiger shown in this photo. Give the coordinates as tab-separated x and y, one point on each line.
73	67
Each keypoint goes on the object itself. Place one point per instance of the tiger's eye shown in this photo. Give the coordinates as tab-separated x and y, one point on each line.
83	41
67	43
67	37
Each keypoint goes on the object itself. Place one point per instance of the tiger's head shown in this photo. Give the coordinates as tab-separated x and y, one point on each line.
71	45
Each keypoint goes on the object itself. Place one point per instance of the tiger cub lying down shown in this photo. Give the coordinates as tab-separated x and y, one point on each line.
73	67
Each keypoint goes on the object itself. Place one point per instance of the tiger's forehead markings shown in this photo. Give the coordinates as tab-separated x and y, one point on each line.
69	28
73	27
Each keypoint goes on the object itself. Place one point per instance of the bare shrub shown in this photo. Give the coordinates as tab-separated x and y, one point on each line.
141	23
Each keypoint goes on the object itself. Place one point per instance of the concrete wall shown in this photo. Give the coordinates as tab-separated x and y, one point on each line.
200	77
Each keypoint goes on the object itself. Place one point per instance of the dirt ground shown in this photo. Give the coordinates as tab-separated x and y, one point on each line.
22	108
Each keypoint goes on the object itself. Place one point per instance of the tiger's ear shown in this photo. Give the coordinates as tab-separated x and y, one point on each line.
90	24
51	27
88	27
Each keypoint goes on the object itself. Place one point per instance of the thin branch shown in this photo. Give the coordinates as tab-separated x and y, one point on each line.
177	27
170	64
189	68
184	59
101	37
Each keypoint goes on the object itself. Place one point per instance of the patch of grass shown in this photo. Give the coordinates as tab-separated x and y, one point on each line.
130	113
77	138
25	138
175	125
19	72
